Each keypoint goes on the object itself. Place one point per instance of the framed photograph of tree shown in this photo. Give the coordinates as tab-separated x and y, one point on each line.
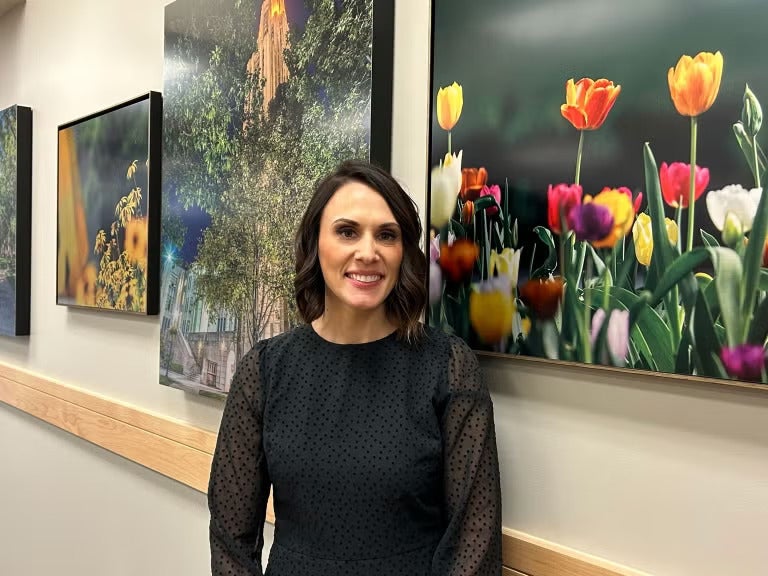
108	208
15	219
262	98
596	185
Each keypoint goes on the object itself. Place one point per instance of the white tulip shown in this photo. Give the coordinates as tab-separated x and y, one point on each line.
735	200
446	184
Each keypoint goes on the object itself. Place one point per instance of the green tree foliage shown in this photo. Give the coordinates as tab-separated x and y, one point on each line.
8	151
265	175
207	49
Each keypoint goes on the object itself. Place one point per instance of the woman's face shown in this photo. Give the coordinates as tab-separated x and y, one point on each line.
360	249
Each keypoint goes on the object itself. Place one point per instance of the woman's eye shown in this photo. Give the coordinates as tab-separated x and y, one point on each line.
388	236
346	233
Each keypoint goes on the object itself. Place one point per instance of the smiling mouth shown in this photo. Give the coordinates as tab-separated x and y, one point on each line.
366	278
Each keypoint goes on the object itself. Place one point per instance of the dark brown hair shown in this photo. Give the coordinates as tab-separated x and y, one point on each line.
406	302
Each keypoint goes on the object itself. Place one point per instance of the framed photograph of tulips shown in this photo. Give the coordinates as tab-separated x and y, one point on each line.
108	208
596	191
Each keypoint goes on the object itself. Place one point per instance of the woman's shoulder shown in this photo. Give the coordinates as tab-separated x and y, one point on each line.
288	340
436	338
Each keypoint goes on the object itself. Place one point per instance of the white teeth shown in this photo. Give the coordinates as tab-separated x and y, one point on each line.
361	278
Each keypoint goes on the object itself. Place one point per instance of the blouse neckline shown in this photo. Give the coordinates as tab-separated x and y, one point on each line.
352	345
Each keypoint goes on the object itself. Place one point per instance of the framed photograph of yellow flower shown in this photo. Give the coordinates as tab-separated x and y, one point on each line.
596	185
15	219
108	208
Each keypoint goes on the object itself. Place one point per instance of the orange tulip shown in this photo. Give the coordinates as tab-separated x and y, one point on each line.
450	101
467	212
695	82
472	182
587	102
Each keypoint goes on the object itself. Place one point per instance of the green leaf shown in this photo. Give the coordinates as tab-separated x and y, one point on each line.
649	333
549	265
599	264
745	143
706	344
728	283
662	250
486	202
709	240
626	275
753	260
758	329
676	271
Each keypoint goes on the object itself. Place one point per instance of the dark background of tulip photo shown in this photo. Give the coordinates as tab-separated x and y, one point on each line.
513	59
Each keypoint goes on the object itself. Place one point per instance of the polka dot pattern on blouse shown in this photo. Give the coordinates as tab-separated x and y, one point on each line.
381	456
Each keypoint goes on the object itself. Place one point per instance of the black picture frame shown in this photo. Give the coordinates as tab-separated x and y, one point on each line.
153	204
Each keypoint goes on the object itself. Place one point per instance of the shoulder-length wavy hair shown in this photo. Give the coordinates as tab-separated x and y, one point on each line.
406	302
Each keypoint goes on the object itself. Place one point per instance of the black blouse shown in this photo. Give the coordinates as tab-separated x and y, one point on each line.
382	458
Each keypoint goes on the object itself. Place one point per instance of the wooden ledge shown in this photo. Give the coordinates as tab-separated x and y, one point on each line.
184	453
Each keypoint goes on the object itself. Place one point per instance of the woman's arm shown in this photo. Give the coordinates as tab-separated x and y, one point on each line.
471	544
239	485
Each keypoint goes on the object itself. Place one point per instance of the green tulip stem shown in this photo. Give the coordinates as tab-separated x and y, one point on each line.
578	157
586	341
449	141
757	165
692	186
679	222
580	256
607	284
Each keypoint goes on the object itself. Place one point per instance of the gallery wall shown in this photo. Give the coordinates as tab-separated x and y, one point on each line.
660	475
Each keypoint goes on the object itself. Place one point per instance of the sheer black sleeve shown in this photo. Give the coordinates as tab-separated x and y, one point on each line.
239	485
471	544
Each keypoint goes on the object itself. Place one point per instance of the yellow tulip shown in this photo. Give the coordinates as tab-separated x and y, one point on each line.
492	310
450	100
643	237
506	263
695	82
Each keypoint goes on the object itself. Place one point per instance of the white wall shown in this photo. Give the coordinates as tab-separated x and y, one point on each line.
667	477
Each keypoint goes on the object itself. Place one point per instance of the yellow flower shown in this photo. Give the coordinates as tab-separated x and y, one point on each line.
695	82
506	263
619	202
643	237
450	101
85	291
492	310
136	235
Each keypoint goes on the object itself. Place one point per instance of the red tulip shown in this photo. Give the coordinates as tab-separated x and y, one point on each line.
543	296
458	259
561	199
675	182
494	191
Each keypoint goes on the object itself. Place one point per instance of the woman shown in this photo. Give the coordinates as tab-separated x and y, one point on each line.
375	432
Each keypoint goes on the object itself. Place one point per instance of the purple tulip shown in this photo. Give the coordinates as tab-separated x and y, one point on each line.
745	362
435	283
434	249
590	222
